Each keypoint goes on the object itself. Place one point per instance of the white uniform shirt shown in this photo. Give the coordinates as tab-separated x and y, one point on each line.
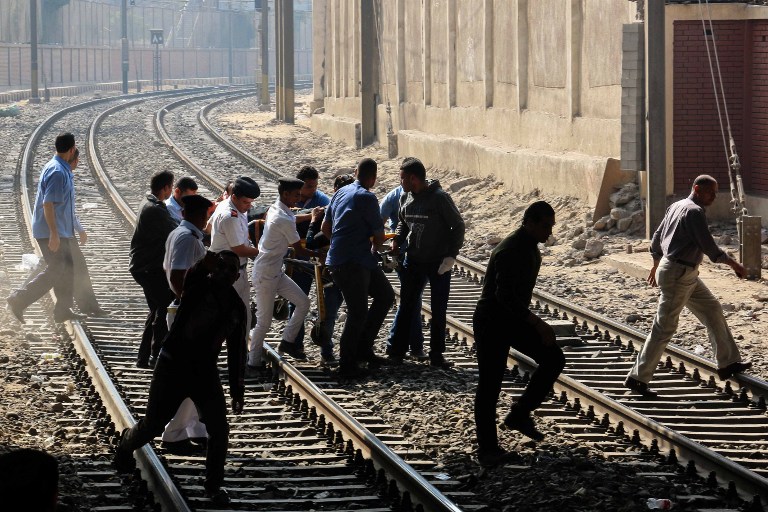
183	248
279	234
229	228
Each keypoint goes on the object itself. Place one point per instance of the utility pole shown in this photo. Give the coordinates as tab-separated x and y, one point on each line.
35	94
264	100
124	42
656	149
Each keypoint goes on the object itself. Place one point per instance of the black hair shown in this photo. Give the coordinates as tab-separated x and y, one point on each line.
288	184
537	211
414	167
366	168
195	205
160	180
186	183
705	179
342	180
64	142
307	173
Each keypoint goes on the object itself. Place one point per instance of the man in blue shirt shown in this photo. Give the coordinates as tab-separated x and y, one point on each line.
186	186
313	199
54	223
351	220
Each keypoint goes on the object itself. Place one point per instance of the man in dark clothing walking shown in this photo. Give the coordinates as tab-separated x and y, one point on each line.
434	230
210	311
153	225
502	320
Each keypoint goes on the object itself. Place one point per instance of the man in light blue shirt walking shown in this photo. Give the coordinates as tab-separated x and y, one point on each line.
54	223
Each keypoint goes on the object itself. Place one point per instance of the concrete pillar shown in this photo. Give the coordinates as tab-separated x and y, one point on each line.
575	38
426	42
337	48
319	34
489	78
264	99
522	55
34	94
451	45
368	71
400	69
656	155
284	62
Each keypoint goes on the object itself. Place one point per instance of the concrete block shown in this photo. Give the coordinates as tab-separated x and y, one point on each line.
339	128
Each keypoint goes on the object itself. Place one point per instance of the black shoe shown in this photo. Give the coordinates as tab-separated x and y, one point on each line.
639	387
143	363
16	308
523	423
329	361
375	362
732	369
183	447
494	457
123	461
393	360
67	314
96	312
218	495
419	355
440	362
292	350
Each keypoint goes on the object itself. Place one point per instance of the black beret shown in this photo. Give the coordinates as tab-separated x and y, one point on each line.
246	187
195	203
285	184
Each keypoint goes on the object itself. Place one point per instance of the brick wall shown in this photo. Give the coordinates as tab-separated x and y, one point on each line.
697	139
758	173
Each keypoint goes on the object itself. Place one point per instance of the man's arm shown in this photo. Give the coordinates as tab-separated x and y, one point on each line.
455	222
245	251
50	219
236	353
176	281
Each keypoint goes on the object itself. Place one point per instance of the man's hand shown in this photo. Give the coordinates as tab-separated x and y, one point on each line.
652	276
738	268
237	405
54	242
316	212
546	332
83	237
446	265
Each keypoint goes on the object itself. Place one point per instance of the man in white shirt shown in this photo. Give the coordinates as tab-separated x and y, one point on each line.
186	186
269	279
229	232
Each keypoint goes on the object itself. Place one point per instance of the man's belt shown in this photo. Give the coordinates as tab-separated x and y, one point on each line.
682	262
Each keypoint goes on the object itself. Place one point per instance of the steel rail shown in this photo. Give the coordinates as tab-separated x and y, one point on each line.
152	469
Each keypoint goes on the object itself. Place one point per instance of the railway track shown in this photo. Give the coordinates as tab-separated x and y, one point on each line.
292	446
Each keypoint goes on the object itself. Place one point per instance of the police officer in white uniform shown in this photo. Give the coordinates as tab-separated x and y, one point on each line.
229	232
269	279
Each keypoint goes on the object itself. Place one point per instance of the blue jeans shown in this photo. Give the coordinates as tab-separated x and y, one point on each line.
357	283
416	339
333	300
413	279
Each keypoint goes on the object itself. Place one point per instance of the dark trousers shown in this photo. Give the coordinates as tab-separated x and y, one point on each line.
493	337
304	280
83	288
416	335
158	295
57	275
357	283
172	382
413	279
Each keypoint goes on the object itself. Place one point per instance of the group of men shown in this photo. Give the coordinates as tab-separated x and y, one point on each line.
210	292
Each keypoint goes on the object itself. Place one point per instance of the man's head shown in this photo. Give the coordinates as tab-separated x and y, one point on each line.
538	220
342	180
704	190
244	191
289	190
195	209
161	184
412	175
29	480
65	145
227	268
186	186
309	176
366	172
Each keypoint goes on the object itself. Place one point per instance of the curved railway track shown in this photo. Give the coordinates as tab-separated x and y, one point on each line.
292	447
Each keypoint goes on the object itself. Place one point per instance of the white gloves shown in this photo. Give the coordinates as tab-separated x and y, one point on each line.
446	265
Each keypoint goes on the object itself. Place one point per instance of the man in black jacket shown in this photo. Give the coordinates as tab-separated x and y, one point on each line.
210	311
502	320
153	225
434	230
